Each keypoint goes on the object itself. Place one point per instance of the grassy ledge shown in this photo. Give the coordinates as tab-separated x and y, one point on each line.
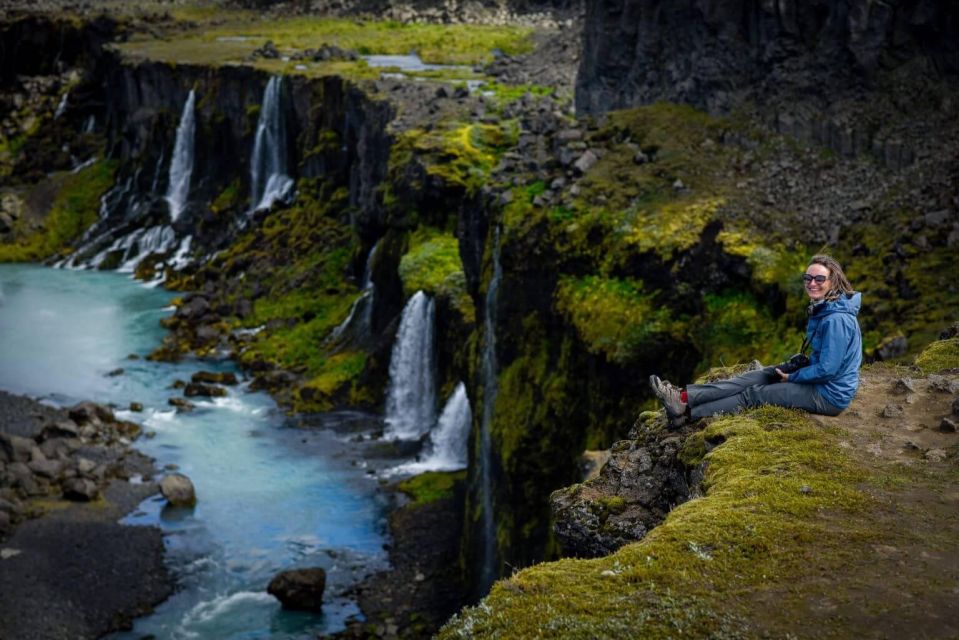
787	509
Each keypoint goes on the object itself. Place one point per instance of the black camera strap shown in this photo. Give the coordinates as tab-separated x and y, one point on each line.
805	345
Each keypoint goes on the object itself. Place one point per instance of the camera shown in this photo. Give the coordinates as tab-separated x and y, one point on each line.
795	363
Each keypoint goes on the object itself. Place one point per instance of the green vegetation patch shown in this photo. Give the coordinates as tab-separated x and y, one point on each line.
233	36
75	208
613	316
431	486
433	265
784	505
942	354
736	327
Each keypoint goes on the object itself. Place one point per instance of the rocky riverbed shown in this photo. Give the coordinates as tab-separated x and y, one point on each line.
68	569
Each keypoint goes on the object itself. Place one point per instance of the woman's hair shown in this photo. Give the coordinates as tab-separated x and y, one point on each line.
837	277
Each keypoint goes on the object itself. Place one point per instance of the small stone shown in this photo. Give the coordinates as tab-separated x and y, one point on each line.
85	466
586	162
904	385
181	405
115	373
936	455
892	411
136	407
942	384
679	185
947	426
6	554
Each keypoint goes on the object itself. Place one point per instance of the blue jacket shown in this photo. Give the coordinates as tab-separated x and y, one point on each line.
833	333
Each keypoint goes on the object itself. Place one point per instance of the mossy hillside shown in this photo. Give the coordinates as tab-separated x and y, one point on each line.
74	209
615	317
784	505
301	259
432	264
938	356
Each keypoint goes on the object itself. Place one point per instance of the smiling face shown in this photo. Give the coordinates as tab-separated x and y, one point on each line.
817	290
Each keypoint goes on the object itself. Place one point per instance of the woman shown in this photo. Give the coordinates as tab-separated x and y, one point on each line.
826	386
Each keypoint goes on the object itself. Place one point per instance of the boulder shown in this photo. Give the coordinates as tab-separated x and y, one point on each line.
299	588
207	390
585	162
81	490
214	377
181	404
49	469
947	426
60	429
178	490
16	449
89	412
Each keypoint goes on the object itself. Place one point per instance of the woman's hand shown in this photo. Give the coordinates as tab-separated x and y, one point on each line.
783	377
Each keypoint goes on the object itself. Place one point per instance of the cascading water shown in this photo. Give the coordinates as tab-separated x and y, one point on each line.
488	568
181	165
268	176
447	447
361	313
411	397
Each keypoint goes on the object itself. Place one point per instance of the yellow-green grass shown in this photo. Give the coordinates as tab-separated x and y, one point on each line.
940	355
75	208
785	505
234	36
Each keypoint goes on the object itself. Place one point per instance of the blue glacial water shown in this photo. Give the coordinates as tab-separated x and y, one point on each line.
270	496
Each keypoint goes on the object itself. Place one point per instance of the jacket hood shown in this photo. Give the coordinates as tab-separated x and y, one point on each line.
849	303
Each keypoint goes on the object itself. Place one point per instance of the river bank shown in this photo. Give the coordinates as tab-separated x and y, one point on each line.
68	568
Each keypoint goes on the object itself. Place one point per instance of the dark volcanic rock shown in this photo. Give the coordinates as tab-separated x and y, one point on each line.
637	487
299	588
706	52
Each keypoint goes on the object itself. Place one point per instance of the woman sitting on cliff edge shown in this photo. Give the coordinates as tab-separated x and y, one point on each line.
826	385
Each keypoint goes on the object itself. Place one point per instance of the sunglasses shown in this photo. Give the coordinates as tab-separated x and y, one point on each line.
806	278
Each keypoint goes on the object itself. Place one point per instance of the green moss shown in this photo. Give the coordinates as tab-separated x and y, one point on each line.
942	354
75	208
432	264
735	327
782	499
431	486
461	155
333	382
612	316
228	199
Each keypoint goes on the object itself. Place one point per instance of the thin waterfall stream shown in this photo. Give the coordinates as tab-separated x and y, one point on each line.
181	164
268	170
411	396
270	497
488	569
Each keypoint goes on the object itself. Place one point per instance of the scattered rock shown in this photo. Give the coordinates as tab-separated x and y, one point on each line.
942	384
936	455
904	385
892	411
178	490
892	348
212	377
299	588
955	407
947	426
206	390
81	490
585	162
181	405
136	407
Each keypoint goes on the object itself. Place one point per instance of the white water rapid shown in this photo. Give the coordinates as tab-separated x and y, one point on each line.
411	397
181	165
268	176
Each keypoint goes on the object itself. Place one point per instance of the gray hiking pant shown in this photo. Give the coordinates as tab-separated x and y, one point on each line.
753	389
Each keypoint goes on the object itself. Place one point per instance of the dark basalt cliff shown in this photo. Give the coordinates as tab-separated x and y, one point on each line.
708	53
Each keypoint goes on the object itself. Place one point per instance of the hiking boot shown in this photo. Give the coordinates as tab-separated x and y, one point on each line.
671	399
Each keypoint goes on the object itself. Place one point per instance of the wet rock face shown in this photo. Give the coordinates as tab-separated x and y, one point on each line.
636	488
300	589
709	52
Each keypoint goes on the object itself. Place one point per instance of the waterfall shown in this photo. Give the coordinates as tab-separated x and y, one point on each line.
62	107
181	165
411	396
89	125
488	569
362	310
447	446
268	177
